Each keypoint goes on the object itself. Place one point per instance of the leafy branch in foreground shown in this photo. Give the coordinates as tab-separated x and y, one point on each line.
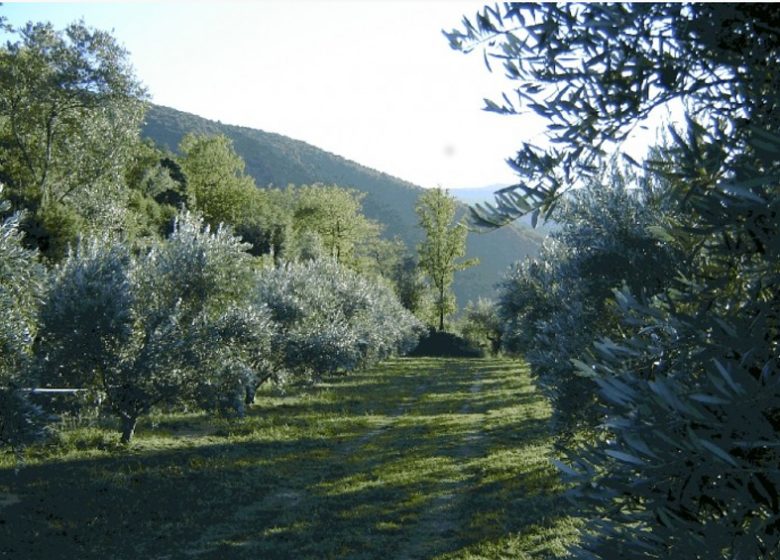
595	72
688	378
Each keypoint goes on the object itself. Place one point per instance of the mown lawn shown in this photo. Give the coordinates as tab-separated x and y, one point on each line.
417	459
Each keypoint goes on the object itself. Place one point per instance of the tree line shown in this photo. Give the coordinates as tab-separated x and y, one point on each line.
155	279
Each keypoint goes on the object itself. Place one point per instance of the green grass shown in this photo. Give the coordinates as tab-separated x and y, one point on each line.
423	458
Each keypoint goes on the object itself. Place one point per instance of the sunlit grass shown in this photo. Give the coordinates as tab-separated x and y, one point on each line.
418	458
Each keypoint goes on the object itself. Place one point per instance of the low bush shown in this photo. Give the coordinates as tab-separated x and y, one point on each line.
329	318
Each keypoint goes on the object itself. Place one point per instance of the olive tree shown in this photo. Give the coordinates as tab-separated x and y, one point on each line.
22	281
331	319
688	377
163	327
555	306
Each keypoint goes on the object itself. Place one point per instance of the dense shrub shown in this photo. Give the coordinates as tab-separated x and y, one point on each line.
557	305
446	345
481	325
21	284
332	319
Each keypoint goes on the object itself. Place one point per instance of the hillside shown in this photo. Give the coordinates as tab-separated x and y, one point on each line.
274	159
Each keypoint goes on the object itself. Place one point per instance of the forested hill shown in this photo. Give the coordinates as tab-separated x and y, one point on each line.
274	159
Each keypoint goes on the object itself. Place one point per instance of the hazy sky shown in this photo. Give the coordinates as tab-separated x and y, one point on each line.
373	81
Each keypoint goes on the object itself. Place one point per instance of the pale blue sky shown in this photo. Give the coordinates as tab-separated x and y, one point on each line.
372	81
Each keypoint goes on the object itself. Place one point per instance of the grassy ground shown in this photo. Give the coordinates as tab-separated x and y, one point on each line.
417	459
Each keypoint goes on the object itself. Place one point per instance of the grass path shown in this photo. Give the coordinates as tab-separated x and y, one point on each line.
416	459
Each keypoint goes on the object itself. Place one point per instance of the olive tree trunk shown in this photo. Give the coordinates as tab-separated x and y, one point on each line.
129	423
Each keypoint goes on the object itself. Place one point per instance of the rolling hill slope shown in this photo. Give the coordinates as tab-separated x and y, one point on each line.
274	159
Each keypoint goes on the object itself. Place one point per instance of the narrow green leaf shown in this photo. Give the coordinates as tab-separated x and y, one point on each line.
708	399
718	452
564	468
624	457
724	373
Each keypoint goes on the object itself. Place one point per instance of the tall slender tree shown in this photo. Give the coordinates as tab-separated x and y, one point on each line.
444	246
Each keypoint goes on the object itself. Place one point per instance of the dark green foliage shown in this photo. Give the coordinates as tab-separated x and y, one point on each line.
437	343
70	109
21	422
688	378
218	187
482	326
409	284
694	465
54	228
157	191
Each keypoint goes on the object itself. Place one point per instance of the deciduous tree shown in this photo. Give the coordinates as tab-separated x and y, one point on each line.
219	187
70	111
335	214
443	247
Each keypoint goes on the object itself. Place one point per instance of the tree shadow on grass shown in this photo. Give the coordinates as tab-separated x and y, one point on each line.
310	476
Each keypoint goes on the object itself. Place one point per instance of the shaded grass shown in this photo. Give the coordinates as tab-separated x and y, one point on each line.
419	458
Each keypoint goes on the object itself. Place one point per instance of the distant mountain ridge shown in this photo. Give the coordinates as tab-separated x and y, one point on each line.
274	159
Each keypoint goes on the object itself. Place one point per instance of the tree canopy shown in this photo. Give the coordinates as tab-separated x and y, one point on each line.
70	111
335	215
